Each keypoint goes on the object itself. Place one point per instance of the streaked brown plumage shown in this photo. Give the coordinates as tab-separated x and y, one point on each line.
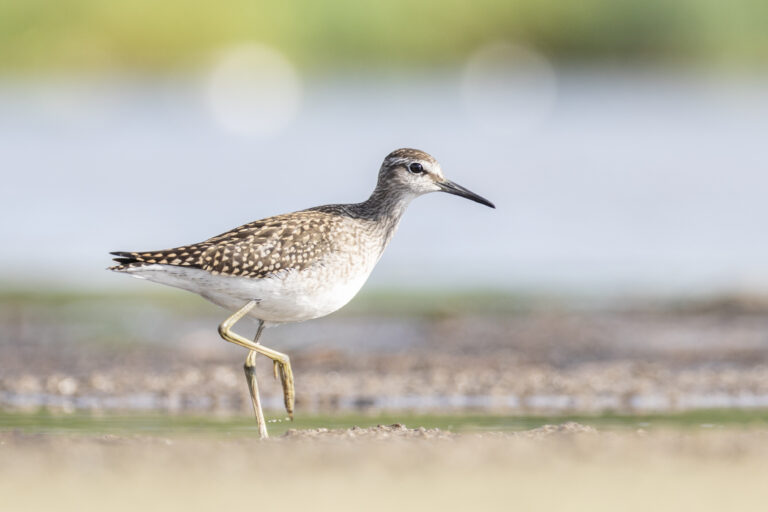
254	250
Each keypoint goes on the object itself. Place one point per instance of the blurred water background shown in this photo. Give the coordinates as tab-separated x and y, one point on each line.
623	144
624	180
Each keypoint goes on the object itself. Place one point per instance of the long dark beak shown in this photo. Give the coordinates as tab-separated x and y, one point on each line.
458	190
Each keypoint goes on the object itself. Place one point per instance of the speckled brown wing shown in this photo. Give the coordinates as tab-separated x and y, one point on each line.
258	249
280	243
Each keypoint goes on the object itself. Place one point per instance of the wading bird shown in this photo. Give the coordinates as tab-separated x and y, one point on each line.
297	266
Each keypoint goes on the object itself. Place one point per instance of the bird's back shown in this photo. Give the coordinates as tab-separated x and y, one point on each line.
258	249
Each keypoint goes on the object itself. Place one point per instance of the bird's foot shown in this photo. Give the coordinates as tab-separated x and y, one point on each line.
285	373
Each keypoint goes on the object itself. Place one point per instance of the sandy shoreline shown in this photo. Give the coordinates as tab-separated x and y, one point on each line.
565	467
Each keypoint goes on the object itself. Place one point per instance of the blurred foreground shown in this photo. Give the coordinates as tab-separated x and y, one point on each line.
570	467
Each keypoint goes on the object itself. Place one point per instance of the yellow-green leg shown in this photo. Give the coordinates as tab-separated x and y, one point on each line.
253	387
281	361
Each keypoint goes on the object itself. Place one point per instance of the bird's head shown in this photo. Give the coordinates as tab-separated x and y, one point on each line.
415	173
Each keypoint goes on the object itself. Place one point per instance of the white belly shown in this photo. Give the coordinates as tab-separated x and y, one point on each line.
292	296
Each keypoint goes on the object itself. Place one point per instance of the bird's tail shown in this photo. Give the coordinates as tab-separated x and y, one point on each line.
127	261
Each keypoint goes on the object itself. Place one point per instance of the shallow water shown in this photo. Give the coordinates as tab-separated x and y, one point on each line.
57	422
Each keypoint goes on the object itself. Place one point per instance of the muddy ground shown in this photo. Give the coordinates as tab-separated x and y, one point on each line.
120	353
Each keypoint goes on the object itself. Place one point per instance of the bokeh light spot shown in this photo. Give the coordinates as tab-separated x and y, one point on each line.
508	89
253	91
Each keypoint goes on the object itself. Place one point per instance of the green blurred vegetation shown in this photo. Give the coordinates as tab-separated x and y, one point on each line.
84	423
382	302
144	35
421	302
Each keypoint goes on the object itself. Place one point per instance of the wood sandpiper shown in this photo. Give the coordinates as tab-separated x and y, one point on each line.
297	266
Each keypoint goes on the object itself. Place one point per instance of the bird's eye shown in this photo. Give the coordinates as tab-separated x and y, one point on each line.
416	168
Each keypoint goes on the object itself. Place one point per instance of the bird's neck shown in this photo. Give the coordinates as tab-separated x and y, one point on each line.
386	204
385	208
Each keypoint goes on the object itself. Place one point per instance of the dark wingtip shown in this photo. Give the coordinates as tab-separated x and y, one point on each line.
123	258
